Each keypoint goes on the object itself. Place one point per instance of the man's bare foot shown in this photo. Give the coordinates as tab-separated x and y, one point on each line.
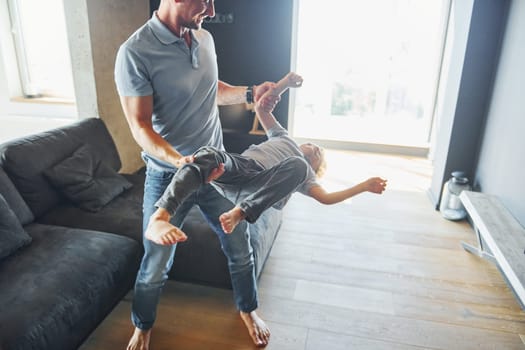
231	219
161	231
139	340
257	329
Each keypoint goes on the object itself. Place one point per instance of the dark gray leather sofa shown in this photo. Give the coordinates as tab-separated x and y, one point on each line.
55	289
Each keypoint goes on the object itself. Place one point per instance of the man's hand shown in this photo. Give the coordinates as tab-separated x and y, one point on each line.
375	185
184	160
214	175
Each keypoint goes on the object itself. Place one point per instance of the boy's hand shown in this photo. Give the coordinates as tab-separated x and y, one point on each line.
293	80
260	90
267	103
375	185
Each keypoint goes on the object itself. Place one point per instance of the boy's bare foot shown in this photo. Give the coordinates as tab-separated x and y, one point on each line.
231	219
161	231
257	329
139	340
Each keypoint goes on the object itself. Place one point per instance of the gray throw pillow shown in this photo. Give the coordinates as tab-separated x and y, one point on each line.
12	234
85	180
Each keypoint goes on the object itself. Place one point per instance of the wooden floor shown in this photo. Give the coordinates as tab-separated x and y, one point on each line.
375	272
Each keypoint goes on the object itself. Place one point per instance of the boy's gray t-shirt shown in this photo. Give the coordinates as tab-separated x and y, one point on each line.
277	148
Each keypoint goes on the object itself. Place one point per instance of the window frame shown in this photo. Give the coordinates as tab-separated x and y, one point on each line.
13	100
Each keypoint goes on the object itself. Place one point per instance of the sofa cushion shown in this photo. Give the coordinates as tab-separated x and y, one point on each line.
13	198
66	282
25	159
85	180
123	215
12	234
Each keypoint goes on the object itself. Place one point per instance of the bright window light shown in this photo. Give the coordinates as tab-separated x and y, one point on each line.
370	70
42	51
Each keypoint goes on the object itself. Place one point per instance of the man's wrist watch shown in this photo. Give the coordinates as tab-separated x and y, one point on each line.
249	94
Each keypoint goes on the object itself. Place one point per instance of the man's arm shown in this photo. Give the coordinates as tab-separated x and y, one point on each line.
138	111
230	95
374	185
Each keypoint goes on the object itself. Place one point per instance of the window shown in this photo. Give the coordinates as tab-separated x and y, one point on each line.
35	60
371	70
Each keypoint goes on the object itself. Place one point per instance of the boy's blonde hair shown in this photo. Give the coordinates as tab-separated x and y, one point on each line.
320	171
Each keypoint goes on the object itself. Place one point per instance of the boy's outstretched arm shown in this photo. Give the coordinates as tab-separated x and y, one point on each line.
373	184
264	107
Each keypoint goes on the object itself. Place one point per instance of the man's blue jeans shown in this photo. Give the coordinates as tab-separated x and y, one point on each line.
158	259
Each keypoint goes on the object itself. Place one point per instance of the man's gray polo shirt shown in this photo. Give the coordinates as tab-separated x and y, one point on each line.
183	82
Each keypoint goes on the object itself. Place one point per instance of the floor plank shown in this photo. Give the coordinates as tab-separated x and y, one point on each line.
335	341
374	272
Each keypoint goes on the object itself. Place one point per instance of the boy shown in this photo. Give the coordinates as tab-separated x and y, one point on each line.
263	176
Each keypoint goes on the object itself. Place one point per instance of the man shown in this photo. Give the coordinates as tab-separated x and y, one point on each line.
264	175
167	78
